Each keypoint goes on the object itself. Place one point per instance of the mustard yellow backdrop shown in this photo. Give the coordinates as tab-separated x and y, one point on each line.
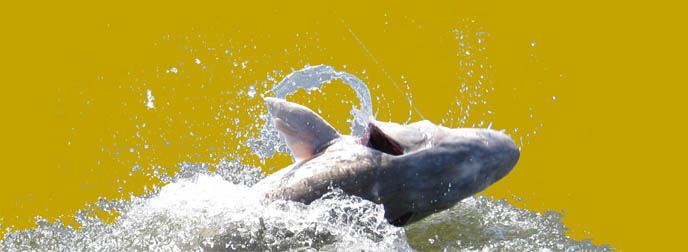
593	91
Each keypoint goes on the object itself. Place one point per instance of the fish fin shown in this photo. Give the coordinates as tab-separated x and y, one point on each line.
376	139
304	130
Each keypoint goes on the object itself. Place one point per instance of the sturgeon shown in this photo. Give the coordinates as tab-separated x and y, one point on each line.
413	170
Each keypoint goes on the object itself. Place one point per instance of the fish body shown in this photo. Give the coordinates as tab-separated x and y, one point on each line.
413	170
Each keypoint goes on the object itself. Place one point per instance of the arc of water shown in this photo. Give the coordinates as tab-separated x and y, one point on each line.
313	77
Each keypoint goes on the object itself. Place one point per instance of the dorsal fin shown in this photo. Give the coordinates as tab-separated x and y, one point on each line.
303	129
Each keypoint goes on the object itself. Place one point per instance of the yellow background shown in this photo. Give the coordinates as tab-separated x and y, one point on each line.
609	152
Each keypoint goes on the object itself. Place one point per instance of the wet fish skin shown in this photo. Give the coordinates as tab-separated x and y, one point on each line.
413	170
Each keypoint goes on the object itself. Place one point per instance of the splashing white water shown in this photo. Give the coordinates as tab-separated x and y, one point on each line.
218	211
199	210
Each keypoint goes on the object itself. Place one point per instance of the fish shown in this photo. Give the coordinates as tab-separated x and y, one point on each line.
413	170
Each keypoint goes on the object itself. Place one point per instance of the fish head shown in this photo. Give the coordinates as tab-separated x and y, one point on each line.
438	167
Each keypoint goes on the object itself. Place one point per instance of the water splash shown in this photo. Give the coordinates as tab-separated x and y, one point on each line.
482	224
200	210
149	99
312	78
203	211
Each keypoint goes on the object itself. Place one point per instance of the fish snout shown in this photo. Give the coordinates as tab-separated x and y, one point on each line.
469	159
502	153
457	163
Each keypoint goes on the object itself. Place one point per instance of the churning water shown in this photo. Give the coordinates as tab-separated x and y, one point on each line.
200	210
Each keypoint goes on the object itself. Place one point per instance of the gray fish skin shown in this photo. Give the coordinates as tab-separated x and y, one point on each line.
427	169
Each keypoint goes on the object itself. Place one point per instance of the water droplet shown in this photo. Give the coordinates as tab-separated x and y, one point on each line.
532	44
149	102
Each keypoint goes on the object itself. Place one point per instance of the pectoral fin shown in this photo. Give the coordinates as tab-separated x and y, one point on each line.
376	139
303	129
